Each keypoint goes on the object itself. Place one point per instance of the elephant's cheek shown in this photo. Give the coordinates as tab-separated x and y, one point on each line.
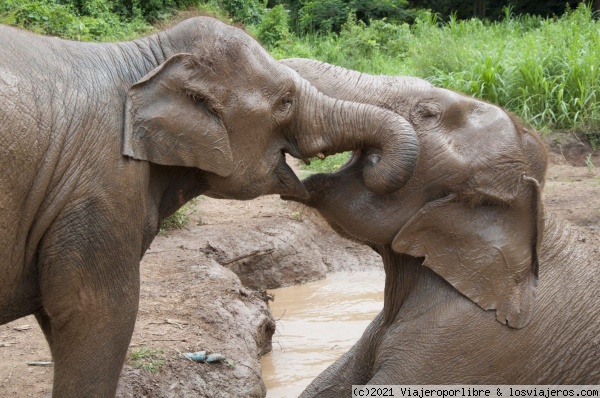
318	187
232	187
362	216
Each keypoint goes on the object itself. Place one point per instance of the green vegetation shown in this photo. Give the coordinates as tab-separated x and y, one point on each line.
180	218
544	69
98	20
589	164
330	163
177	220
147	359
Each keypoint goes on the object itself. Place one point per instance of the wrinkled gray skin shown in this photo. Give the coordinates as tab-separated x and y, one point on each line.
463	244
100	142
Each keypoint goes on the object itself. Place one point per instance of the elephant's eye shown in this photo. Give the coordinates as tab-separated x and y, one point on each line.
282	108
286	101
201	100
196	97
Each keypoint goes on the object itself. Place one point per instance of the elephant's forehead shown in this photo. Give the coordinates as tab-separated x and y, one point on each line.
482	145
477	127
246	64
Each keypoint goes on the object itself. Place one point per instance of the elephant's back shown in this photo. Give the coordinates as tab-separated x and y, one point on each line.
59	107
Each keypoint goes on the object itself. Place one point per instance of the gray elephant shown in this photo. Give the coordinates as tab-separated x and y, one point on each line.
463	243
100	142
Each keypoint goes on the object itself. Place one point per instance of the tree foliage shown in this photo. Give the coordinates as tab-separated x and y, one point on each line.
246	11
75	19
391	10
490	9
323	15
273	28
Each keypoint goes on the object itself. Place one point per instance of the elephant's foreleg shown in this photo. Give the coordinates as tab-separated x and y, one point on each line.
89	283
89	351
44	321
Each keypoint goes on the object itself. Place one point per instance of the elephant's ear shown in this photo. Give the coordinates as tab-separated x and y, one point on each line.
170	120
488	252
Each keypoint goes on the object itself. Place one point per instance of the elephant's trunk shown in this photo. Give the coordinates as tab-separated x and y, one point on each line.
396	93
336	126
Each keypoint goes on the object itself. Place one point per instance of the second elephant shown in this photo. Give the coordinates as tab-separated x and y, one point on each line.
482	287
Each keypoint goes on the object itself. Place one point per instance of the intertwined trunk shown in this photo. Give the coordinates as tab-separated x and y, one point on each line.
331	125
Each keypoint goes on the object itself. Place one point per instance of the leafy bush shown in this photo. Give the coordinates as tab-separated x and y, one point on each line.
246	11
91	20
49	18
273	28
391	10
327	16
380	36
151	10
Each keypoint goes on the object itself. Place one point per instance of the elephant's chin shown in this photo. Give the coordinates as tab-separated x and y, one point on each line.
319	185
315	187
287	183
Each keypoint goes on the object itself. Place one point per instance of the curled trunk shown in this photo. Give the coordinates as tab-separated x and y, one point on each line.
396	93
340	125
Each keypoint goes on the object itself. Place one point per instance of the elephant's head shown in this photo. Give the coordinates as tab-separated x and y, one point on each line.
225	106
472	208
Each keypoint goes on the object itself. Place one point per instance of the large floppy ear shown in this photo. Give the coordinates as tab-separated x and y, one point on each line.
487	251
170	119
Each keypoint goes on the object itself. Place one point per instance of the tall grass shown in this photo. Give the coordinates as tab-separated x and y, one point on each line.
545	70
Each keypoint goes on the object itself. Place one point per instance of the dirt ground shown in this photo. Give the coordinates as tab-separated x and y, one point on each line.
192	300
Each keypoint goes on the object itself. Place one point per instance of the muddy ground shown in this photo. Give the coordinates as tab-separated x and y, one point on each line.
192	299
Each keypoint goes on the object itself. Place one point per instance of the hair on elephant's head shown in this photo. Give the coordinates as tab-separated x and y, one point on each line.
225	106
472	209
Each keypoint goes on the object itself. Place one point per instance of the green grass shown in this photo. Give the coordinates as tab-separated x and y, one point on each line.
329	164
180	218
147	359
544	70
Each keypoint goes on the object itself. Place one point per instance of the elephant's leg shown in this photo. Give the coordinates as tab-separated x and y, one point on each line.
89	348
90	351
44	321
90	329
89	282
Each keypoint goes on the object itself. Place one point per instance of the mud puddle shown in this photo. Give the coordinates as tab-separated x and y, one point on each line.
317	323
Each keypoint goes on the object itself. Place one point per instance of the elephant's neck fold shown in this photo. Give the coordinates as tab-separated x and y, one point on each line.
402	273
558	242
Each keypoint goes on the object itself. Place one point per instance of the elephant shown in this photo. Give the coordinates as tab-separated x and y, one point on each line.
463	243
101	141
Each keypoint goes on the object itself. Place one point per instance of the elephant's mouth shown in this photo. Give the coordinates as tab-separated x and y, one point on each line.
317	185
288	183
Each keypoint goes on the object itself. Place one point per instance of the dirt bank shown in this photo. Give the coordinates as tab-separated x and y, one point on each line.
192	300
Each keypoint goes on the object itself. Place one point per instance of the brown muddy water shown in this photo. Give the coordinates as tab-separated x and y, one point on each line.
317	323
